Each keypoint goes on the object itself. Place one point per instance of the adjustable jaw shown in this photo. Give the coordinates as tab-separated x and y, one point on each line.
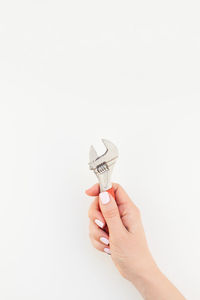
103	165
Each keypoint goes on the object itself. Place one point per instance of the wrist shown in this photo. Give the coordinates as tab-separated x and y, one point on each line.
153	284
146	275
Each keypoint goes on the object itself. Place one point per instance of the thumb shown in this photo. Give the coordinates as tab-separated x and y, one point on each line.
110	212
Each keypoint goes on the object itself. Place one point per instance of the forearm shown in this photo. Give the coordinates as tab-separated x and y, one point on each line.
154	285
127	243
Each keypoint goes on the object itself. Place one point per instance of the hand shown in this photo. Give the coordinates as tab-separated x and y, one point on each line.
116	228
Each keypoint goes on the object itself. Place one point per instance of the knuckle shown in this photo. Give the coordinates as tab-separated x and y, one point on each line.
90	213
91	229
95	244
92	242
90	226
116	185
137	212
91	236
110	213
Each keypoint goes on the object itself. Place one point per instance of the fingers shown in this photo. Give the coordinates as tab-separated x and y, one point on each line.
93	191
100	247
120	194
128	211
99	238
110	211
111	214
95	214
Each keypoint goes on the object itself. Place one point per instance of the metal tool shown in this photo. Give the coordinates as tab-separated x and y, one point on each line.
103	165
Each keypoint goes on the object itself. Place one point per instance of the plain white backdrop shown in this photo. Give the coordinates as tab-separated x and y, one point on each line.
72	72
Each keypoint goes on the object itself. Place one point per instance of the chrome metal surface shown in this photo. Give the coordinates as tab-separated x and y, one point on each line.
103	165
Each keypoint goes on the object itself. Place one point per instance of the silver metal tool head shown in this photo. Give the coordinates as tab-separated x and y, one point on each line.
103	165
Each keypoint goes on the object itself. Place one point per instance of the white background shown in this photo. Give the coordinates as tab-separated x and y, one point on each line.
72	72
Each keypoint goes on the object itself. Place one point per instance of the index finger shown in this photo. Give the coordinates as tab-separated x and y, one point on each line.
121	195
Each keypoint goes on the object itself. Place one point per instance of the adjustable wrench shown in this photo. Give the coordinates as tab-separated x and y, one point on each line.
103	165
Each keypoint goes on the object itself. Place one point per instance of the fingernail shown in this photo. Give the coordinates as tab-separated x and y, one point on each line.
104	240
107	250
104	197
99	223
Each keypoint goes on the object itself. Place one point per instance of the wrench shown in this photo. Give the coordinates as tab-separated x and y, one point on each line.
103	165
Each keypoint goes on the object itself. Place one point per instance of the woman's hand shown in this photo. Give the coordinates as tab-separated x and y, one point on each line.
116	228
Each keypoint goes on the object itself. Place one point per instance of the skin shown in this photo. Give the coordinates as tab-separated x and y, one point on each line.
122	227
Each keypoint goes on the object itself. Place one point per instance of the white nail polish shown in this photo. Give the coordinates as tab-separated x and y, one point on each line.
99	223
104	240
104	197
107	250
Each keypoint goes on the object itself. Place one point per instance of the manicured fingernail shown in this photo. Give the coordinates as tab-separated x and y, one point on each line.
104	197
107	250
99	223
104	240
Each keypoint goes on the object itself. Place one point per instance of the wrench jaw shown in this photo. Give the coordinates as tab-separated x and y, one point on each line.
103	165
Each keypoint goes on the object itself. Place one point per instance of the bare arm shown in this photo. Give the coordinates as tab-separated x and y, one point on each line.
116	228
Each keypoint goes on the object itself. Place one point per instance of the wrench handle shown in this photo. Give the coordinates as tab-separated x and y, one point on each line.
111	192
